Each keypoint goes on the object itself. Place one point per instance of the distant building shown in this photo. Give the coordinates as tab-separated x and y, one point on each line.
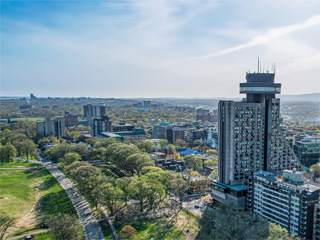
71	120
286	199
137	105
205	115
51	126
90	111
179	133
308	150
146	104
101	124
25	106
32	97
122	127
137	134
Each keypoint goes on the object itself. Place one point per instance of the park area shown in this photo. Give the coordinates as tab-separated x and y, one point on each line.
30	197
169	224
17	164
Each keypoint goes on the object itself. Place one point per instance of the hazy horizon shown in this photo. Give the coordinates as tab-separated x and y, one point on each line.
157	49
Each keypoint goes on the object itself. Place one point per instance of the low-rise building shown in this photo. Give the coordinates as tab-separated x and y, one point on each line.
307	150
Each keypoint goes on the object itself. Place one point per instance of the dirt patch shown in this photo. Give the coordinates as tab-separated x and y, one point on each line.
26	221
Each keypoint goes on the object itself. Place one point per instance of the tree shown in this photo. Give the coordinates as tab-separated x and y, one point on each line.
148	169
196	143
110	196
177	157
64	226
210	162
171	149
180	143
212	152
193	162
124	185
140	191
70	158
214	175
278	232
74	166
128	232
229	222
315	168
163	142
8	151
155	187
179	187
5	223
138	161
146	146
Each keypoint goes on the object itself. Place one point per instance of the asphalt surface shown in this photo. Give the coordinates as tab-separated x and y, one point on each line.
88	220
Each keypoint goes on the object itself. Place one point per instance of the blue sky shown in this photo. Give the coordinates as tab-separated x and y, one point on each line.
189	48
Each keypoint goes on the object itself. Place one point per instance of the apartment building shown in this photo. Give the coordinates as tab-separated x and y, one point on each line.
286	199
51	126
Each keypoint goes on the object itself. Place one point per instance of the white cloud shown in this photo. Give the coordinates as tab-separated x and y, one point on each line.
262	39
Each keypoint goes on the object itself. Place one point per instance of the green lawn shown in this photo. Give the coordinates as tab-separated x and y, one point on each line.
15	164
30	119
164	227
24	190
108	173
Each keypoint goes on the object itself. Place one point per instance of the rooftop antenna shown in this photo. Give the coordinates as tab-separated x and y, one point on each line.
274	68
258	64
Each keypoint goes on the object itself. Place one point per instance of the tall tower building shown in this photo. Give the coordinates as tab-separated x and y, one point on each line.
250	138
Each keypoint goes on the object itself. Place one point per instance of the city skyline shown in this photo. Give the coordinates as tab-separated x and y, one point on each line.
133	49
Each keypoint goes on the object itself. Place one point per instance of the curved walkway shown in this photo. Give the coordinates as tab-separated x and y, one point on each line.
17	168
27	160
88	220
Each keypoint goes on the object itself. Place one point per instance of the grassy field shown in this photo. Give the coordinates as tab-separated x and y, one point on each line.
30	119
16	164
108	173
164	227
31	196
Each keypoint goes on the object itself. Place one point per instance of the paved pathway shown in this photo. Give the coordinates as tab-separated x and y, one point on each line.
17	168
27	160
91	227
25	235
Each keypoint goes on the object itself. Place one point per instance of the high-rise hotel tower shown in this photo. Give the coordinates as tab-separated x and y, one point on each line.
250	138
249	132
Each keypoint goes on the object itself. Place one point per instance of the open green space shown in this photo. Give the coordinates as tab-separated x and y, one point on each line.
108	173
30	119
31	196
164	227
17	164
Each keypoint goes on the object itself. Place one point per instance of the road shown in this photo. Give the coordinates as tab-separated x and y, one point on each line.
191	207
87	217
